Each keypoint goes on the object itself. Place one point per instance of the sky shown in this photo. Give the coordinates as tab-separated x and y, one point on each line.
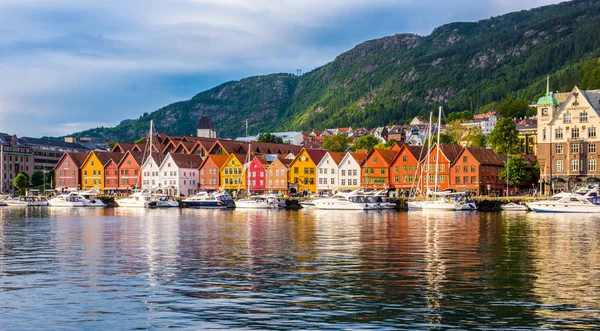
67	66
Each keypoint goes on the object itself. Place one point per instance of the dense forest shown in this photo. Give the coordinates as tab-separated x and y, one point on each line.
462	66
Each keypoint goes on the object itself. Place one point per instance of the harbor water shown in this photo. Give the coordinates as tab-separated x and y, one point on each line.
72	269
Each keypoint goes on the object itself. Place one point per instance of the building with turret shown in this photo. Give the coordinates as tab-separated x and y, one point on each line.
205	128
567	138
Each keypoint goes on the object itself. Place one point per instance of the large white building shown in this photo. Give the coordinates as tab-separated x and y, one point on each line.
327	172
179	174
349	170
150	175
486	124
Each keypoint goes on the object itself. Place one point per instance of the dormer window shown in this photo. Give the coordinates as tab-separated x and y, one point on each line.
567	117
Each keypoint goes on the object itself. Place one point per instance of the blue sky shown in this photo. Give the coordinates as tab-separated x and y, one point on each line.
66	66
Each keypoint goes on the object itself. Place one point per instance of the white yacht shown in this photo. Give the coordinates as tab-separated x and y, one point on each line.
204	199
27	201
137	200
568	203
351	201
511	206
69	199
164	201
90	201
441	203
260	202
2	203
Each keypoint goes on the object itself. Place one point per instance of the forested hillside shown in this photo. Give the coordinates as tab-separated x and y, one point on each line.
388	80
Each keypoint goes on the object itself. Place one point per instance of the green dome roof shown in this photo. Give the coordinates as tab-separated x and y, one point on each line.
547	100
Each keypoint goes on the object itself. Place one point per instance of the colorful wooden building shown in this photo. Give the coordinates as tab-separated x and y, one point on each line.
256	174
477	170
405	171
303	170
67	171
376	168
210	172
92	169
130	174
277	175
232	173
446	155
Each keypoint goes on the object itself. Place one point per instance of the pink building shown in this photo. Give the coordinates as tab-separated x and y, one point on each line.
66	172
256	174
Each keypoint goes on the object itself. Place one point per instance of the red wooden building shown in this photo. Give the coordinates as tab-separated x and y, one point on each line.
375	168
130	174
210	179
67	174
477	170
447	154
256	174
405	171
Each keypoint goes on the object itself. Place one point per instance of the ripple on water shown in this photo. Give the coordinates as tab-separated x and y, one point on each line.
140	269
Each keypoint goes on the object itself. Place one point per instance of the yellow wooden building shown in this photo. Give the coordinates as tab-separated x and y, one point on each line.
232	173
303	170
92	169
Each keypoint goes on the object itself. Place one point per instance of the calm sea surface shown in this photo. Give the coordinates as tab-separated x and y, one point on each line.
202	269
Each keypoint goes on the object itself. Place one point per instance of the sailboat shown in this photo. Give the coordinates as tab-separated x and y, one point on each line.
442	202
141	199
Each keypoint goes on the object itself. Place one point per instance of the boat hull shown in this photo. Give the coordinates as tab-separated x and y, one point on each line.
563	208
209	204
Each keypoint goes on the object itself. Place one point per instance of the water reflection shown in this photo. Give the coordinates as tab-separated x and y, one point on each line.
309	269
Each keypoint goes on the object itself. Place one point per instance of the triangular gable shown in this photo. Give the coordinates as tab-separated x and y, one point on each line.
576	95
170	147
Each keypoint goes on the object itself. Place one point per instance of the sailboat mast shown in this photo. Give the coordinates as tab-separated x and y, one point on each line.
1	168
437	150
429	131
151	123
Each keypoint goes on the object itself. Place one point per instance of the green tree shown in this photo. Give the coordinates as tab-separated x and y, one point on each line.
516	170
444	139
140	141
465	115
367	142
37	178
476	138
269	138
336	143
515	108
21	182
504	139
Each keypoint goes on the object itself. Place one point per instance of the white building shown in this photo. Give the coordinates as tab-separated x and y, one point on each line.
205	128
150	174
292	137
179	174
486	124
327	172
349	170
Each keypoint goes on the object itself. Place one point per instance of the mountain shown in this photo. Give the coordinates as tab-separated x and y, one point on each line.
392	79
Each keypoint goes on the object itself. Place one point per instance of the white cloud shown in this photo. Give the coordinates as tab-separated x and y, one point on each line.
73	61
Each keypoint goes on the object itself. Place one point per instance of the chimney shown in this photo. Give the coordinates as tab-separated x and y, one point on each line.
14	141
70	139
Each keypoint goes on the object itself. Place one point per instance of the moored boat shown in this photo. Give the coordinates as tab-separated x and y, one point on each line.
164	201
27	201
137	200
259	202
568	203
210	200
511	206
69	199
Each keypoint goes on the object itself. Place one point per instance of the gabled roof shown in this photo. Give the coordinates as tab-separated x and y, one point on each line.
484	156
388	155
205	123
105	157
186	160
218	160
450	152
138	157
77	157
418	152
316	155
337	156
360	155
121	147
228	146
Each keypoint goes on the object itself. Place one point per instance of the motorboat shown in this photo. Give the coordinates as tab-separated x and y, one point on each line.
164	201
69	199
380	202
204	199
463	203
90	201
3	204
341	201
27	201
137	200
511	206
260	202
441	203
566	202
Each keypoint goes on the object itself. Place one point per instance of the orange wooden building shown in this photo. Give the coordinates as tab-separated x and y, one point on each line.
210	179
477	170
405	170
375	168
447	155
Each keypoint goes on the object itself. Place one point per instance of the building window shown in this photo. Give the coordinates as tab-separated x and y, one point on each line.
464	159
472	179
382	171
558	133
472	168
558	149
592	148
457	169
374	159
567	118
559	165
592	132
583	117
457	180
403	158
574	165
574	149
544	136
591	165
574	133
